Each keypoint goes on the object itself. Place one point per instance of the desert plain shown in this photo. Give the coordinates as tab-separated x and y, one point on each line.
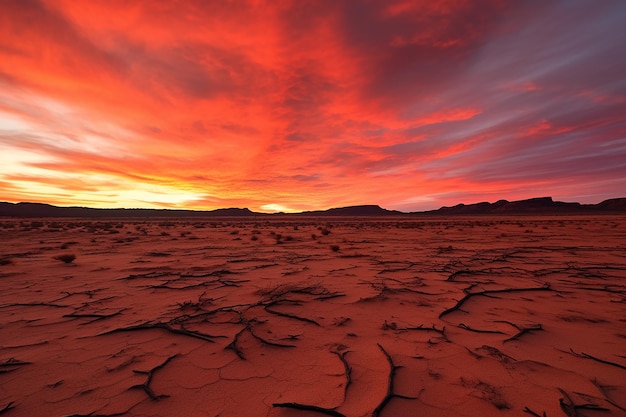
303	316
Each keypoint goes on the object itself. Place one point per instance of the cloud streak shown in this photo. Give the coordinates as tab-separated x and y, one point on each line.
308	105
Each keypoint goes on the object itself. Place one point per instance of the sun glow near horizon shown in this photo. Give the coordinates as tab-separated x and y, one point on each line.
282	106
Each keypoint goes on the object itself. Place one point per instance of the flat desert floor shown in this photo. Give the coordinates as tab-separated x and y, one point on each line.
511	316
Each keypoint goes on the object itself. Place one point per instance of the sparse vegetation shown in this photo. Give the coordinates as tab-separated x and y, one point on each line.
334	248
445	249
278	291
158	254
67	258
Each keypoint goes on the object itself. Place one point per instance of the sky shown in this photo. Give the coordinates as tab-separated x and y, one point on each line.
305	105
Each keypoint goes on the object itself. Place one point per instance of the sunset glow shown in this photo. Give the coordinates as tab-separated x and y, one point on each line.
297	105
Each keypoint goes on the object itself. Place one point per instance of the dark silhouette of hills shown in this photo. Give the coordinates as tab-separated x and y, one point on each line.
541	205
47	210
365	210
615	204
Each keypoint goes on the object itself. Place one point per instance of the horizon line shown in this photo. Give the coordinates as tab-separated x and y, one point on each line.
174	209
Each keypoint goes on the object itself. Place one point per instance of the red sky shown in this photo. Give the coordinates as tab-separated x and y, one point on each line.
300	105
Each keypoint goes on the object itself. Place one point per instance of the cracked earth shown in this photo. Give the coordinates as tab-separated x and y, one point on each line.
314	316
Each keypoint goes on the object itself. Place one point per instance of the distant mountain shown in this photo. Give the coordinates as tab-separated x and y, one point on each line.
365	210
47	210
541	205
614	204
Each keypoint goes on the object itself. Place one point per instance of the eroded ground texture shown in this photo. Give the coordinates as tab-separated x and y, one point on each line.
309	317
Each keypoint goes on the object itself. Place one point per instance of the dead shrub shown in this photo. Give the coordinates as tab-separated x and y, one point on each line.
278	291
67	258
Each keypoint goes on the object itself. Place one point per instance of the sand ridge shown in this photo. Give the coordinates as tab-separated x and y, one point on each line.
334	316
